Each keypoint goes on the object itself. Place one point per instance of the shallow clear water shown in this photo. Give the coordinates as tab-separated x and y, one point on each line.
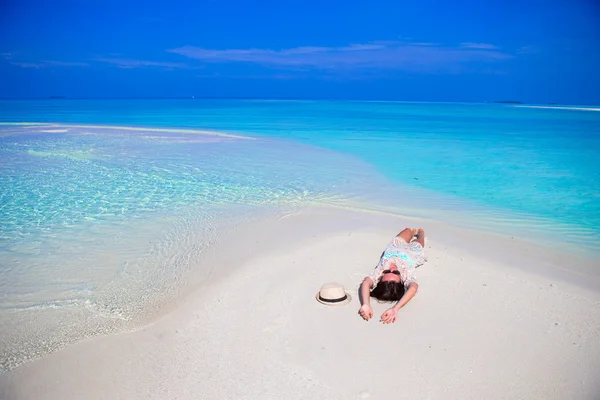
538	161
100	226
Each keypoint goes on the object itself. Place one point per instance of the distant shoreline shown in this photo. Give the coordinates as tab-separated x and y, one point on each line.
195	98
192	98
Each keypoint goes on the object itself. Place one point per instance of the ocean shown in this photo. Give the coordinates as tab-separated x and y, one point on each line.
108	206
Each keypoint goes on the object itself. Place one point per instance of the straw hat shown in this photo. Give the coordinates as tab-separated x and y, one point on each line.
333	294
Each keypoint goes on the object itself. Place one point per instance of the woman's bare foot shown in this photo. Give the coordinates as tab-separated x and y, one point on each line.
421	236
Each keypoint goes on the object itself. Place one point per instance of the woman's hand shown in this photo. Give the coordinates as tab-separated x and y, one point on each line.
389	316
366	312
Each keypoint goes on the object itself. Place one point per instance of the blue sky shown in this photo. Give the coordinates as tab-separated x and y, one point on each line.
464	50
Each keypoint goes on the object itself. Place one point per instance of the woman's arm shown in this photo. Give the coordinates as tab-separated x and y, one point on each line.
365	291
390	315
365	299
408	295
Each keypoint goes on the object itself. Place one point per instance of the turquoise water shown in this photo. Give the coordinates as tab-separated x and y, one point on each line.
541	162
101	224
101	227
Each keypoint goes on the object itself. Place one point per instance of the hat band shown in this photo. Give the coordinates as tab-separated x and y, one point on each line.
333	300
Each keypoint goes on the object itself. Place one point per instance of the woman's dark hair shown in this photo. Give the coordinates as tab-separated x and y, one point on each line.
388	291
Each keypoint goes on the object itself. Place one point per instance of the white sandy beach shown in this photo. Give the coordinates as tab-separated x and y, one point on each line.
495	318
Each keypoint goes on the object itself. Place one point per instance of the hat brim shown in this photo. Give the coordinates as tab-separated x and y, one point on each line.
347	300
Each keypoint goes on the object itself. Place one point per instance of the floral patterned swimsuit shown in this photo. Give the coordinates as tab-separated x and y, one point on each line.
405	256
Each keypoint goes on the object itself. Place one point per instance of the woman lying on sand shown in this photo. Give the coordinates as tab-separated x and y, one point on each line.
394	277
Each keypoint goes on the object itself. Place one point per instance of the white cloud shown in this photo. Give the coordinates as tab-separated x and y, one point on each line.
132	63
27	64
414	56
44	64
65	64
481	46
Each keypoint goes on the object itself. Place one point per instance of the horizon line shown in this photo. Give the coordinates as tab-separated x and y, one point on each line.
58	98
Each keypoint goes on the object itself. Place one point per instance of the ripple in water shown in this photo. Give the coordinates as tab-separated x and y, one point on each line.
100	226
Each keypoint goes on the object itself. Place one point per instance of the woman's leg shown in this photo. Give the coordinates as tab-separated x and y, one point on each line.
406	234
421	237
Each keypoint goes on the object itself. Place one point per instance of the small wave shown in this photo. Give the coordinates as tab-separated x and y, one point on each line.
56	304
564	108
75	155
22	123
56	127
